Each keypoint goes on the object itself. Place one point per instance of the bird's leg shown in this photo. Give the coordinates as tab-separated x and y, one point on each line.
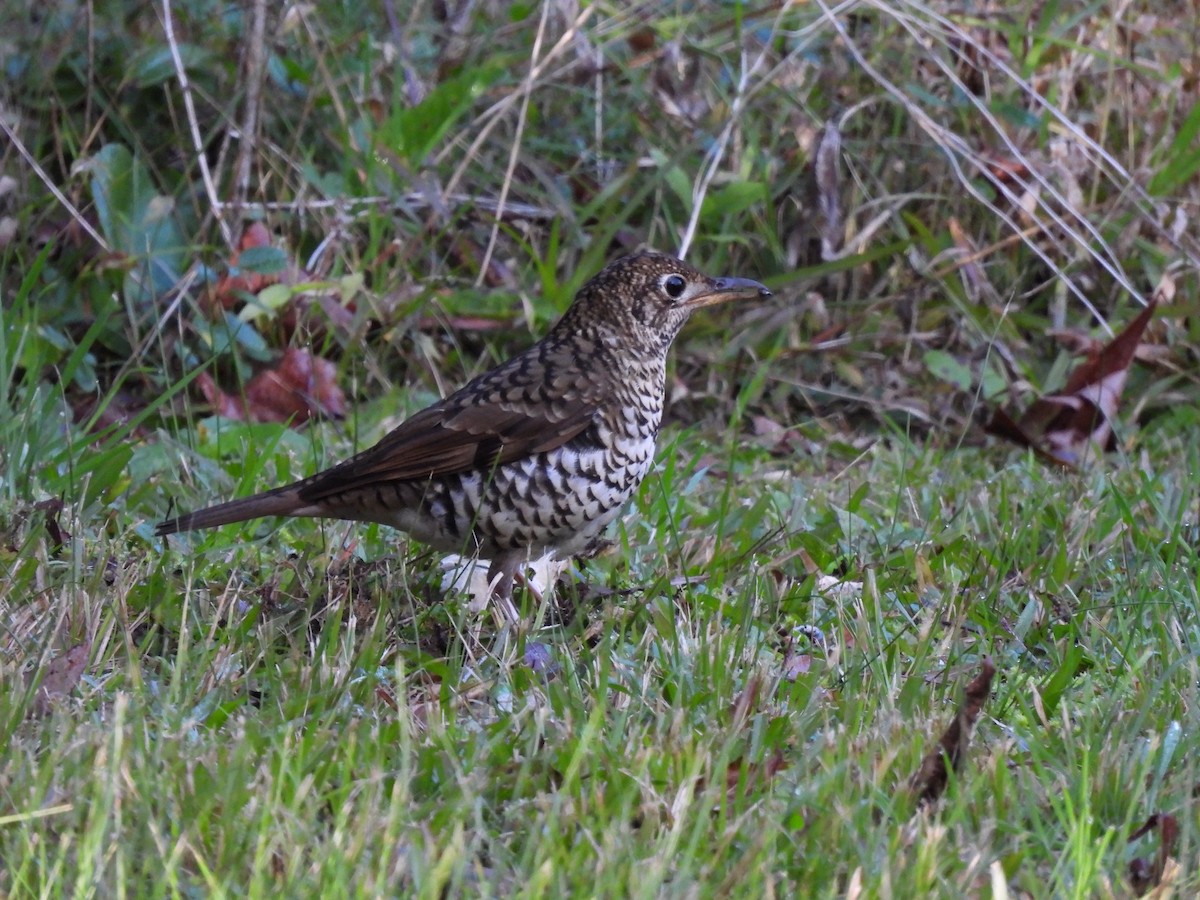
521	576
501	575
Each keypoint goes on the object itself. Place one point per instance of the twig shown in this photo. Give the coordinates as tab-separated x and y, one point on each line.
494	113
255	67
717	152
45	179
956	151
515	151
418	199
193	124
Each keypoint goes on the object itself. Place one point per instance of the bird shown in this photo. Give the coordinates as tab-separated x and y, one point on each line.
537	455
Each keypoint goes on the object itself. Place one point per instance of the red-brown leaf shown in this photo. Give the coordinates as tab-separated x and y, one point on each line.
53	509
1142	875
1065	426
1081	416
301	386
228	291
60	676
222	404
930	780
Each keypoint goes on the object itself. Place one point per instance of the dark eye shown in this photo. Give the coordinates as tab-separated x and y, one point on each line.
674	285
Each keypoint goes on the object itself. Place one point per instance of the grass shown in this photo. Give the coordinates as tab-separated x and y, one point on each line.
218	744
300	707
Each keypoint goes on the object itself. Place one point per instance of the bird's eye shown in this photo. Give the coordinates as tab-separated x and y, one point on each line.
674	285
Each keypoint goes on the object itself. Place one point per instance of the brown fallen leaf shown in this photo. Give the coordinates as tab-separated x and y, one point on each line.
1157	878
1065	427
750	775
1002	425
828	335
745	702
642	39
230	289
795	665
223	404
974	277
779	440
739	771
306	311
53	508
796	662
386	696
310	314
119	408
676	81
1080	343
811	220
1006	171
299	387
59	677
929	782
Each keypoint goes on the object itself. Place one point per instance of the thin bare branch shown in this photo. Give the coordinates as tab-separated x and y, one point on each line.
255	70
193	124
515	150
49	184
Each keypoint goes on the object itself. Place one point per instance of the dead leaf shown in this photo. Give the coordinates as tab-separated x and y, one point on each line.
53	508
1066	426
231	289
1158	878
1082	344
1005	170
748	775
931	778
1002	425
222	404
59	677
745	702
828	335
642	40
303	311
739	771
777	439
301	386
795	665
676	81
119	409
812	223
298	388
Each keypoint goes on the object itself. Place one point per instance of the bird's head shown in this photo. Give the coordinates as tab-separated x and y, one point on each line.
640	302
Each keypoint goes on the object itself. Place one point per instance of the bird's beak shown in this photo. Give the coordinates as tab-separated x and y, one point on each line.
727	289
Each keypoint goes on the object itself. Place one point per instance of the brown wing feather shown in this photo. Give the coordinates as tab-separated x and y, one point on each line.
470	430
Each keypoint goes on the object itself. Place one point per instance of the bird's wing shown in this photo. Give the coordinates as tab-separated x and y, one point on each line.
504	415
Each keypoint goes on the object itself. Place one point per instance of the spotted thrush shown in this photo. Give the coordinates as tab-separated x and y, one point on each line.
540	453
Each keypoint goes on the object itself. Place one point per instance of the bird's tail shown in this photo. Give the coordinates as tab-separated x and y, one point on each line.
284	501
